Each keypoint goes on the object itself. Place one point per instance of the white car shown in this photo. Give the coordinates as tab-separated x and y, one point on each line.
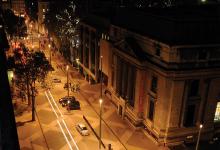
82	129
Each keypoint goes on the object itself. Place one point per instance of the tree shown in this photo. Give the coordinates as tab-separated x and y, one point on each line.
64	20
29	69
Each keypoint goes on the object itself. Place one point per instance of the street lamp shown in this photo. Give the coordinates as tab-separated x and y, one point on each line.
77	61
100	123
39	40
100	101
50	53
67	78
31	35
68	107
197	143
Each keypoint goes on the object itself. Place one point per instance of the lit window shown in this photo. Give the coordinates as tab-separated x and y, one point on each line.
4	0
43	10
217	113
43	16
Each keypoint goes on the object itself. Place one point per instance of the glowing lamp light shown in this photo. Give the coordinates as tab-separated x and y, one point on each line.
201	126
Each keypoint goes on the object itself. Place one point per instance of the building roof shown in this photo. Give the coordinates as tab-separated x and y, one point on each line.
131	47
174	26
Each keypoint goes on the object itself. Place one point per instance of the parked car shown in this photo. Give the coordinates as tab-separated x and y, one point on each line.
82	129
64	100
73	105
55	80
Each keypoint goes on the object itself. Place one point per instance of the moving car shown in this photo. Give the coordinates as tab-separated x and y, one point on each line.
82	129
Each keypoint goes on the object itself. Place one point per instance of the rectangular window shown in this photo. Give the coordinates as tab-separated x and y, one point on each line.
151	108
194	88
158	49
43	10
217	113
113	77
154	84
131	93
189	116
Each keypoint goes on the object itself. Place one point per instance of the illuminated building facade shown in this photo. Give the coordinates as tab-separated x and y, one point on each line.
162	70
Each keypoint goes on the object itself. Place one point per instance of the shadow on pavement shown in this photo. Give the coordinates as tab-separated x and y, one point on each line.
19	123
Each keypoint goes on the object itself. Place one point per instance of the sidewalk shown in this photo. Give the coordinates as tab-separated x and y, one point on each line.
29	132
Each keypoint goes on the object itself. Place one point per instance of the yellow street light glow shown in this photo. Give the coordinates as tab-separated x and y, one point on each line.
200	126
12	75
77	60
49	45
100	101
67	67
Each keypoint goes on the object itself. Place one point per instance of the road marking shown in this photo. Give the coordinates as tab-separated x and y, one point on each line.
64	135
51	105
55	103
60	118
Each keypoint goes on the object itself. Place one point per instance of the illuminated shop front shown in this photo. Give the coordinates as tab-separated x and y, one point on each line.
217	113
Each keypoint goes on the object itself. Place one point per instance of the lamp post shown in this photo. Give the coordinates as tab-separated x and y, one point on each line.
100	123
100	101
197	143
50	53
31	36
67	78
39	40
77	61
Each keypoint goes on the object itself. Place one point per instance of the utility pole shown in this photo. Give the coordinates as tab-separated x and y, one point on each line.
100	102
197	143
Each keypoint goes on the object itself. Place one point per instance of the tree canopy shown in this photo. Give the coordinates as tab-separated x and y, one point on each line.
64	22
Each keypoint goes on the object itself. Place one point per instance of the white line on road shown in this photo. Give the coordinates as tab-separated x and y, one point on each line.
60	118
64	135
51	105
63	120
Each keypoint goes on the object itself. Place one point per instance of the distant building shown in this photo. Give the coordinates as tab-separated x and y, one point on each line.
18	7
161	68
43	7
6	4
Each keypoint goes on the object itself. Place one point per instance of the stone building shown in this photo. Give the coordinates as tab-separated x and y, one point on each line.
43	7
18	7
161	68
92	29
